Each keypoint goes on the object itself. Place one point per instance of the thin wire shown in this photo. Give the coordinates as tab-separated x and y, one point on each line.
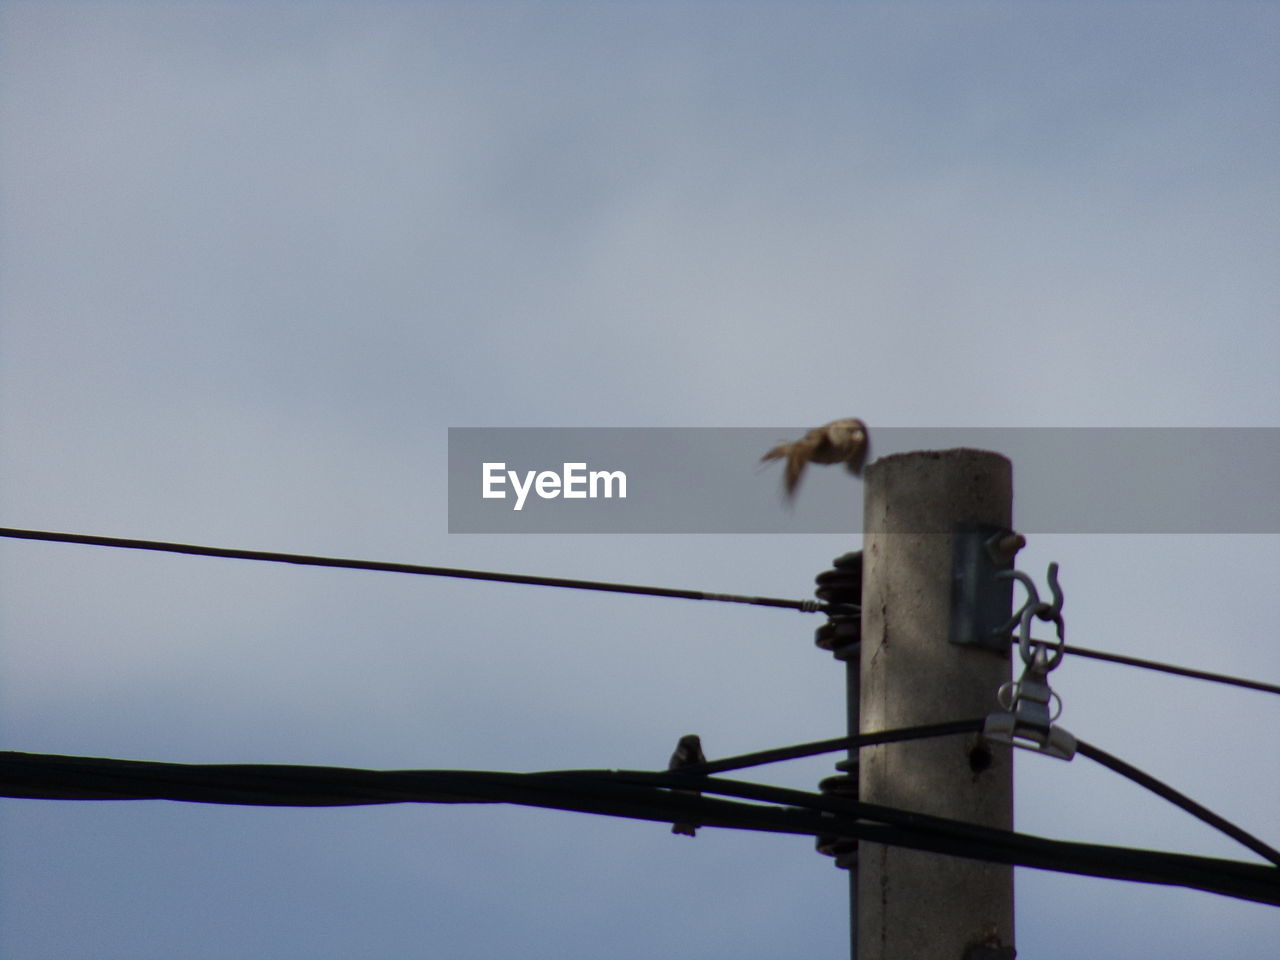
806	606
1169	668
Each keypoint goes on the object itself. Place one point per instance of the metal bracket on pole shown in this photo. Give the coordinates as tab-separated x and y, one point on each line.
980	597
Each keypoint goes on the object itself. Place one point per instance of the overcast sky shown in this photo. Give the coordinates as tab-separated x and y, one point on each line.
256	259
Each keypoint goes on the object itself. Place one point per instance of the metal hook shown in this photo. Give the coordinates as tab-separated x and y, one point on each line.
1045	611
1033	597
1055	609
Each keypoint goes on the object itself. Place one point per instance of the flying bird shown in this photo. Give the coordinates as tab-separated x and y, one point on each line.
840	441
688	753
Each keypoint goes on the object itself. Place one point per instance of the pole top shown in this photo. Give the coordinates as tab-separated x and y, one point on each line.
931	491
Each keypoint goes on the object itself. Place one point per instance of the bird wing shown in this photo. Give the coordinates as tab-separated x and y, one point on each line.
840	441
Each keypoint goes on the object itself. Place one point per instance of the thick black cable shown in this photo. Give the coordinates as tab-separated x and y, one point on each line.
1113	763
817	747
808	606
1162	789
633	794
908	828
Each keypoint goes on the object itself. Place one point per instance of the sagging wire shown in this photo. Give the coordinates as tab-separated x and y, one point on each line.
268	556
1143	664
1115	764
804	606
633	794
818	747
1166	792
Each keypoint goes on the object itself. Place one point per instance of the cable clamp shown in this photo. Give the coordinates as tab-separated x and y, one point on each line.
1031	706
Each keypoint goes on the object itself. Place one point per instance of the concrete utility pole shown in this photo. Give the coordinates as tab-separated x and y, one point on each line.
914	905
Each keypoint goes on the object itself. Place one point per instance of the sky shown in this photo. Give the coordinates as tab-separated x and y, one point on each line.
257	259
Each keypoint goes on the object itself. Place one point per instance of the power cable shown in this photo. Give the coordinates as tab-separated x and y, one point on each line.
1109	761
1169	668
1162	789
633	794
817	747
807	606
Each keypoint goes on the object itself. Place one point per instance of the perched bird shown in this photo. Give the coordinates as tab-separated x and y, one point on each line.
840	441
688	752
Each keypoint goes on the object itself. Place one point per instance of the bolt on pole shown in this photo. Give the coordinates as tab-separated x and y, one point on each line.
913	904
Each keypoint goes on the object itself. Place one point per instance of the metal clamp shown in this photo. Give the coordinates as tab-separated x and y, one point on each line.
1030	711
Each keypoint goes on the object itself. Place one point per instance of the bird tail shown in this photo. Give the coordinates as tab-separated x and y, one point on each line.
795	457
